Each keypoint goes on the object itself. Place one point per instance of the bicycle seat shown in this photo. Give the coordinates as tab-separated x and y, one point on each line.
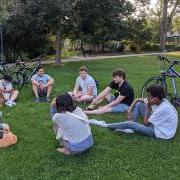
176	62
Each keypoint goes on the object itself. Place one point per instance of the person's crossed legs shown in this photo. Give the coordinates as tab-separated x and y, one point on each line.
81	98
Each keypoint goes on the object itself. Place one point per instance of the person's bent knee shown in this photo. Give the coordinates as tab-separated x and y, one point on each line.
34	86
16	92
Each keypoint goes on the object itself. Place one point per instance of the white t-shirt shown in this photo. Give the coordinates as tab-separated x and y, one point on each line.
5	86
165	120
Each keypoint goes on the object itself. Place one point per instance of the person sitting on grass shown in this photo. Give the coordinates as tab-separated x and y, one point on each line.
42	85
71	126
8	94
117	103
85	88
159	123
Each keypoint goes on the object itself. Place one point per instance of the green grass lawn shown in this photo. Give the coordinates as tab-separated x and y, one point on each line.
113	156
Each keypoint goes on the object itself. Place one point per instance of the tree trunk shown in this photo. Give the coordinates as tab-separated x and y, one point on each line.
164	26
58	48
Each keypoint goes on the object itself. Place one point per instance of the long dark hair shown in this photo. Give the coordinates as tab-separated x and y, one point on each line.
65	103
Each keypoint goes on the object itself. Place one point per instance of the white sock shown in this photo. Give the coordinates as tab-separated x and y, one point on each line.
98	123
128	131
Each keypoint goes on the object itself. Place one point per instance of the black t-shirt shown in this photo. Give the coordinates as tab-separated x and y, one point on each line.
125	90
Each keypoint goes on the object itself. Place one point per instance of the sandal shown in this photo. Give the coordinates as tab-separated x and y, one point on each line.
91	107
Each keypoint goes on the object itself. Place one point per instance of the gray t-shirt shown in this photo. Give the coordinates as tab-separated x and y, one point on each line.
86	83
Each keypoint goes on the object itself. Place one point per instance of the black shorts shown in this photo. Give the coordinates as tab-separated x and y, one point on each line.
42	92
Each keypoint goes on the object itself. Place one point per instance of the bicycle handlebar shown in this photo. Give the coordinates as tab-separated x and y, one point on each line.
174	62
162	58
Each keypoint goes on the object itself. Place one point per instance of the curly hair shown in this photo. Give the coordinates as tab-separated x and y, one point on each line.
156	91
7	78
65	103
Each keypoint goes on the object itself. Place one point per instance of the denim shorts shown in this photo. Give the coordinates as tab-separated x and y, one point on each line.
78	148
120	108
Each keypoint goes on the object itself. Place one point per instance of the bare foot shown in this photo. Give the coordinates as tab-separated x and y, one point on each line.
63	151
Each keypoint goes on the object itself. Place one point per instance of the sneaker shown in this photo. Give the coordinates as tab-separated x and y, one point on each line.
90	107
8	103
98	123
48	99
37	100
13	103
122	131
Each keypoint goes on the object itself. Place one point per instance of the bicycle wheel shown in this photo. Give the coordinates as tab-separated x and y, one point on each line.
28	74
18	80
153	81
1	75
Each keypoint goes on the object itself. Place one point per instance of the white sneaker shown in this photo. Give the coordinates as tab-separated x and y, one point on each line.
98	123
121	131
9	103
13	103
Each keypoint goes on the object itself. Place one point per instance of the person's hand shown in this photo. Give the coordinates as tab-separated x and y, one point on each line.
129	110
79	94
53	103
129	115
76	96
41	86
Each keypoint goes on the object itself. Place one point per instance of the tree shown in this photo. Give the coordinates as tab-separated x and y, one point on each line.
100	21
169	10
30	22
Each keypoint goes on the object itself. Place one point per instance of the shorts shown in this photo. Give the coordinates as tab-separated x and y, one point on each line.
42	92
120	108
78	148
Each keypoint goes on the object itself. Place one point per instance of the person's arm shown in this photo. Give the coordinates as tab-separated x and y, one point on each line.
76	88
90	91
105	92
117	101
53	109
34	82
91	85
50	82
146	116
133	104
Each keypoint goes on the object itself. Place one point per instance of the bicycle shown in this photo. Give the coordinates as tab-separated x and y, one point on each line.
4	70
23	76
161	79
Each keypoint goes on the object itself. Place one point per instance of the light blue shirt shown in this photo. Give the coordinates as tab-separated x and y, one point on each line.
41	79
86	83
